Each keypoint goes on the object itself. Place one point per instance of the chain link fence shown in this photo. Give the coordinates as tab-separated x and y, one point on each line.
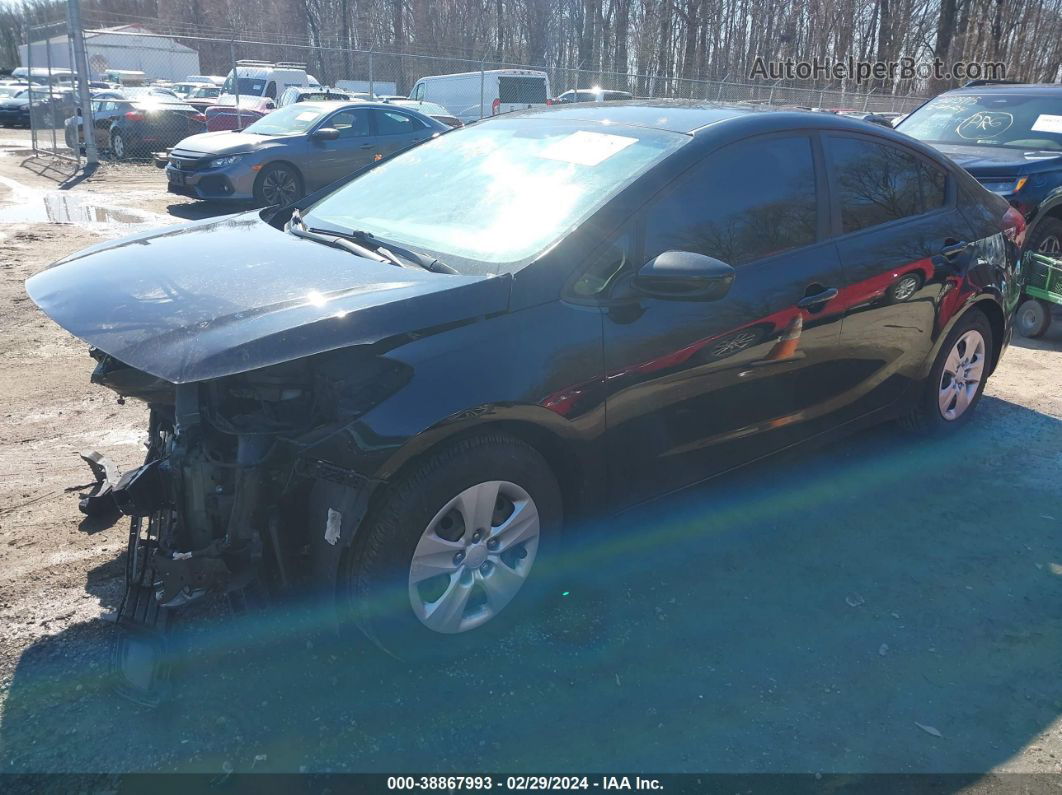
153	84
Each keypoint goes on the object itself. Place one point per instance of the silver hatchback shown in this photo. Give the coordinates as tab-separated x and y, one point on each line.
293	151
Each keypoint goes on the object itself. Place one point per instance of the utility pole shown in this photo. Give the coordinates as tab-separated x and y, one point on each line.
77	36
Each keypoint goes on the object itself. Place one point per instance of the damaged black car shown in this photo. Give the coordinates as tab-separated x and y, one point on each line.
398	392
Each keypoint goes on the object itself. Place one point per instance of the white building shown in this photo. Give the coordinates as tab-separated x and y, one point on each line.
123	47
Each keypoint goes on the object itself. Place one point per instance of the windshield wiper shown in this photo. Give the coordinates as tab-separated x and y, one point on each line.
392	252
297	227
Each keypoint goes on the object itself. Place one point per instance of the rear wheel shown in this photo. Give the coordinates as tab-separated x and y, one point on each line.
118	145
278	184
957	380
449	557
1046	237
1034	317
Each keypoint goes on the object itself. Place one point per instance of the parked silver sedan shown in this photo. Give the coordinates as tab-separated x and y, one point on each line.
294	150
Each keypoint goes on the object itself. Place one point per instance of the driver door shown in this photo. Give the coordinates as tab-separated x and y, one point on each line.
695	387
332	160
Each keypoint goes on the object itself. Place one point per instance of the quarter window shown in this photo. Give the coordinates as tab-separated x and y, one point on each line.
877	184
747	201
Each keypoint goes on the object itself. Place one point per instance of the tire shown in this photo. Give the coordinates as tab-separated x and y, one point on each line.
118	147
937	414
1046	237
278	184
417	549
1033	318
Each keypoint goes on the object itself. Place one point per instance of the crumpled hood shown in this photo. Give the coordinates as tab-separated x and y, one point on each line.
998	160
223	296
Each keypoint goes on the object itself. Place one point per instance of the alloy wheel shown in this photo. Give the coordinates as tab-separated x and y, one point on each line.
905	288
474	557
118	145
963	371
280	187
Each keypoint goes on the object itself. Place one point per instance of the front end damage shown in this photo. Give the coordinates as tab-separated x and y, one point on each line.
219	505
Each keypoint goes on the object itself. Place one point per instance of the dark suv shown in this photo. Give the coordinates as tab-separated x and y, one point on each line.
1009	137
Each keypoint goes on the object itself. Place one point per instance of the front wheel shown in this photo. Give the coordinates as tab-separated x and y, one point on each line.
451	554
957	380
1034	318
278	184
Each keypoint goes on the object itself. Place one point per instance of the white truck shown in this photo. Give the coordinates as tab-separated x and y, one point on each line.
475	95
263	79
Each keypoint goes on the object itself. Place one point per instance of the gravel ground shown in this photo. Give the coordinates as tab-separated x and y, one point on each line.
878	605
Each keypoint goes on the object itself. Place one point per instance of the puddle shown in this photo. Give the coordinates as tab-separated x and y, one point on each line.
36	206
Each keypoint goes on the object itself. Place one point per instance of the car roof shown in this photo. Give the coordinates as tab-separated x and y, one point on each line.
692	116
333	104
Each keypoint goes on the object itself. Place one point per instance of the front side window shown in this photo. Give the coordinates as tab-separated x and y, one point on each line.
746	201
876	183
350	123
491	197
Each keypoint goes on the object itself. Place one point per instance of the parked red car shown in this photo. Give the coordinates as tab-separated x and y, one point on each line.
225	116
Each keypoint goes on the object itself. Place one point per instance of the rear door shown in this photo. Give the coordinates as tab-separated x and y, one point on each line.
327	161
697	387
520	92
396	130
896	217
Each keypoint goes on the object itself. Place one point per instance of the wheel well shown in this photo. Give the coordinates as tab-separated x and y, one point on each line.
991	310
288	163
561	459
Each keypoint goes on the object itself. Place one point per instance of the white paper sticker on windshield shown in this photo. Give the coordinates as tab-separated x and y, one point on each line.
306	115
586	148
1045	122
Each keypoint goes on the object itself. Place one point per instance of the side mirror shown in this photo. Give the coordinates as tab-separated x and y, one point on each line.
684	276
325	134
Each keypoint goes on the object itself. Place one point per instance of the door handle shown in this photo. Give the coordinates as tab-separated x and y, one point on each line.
809	301
953	249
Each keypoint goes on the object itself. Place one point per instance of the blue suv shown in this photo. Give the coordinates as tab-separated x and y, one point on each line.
1009	137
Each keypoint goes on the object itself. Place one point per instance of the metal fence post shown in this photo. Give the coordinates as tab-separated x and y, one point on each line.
51	93
235	80
77	36
372	85
29	78
482	83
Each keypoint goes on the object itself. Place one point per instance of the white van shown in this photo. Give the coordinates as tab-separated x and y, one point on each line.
262	79
475	95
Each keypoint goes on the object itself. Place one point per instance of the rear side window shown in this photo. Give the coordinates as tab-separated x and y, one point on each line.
934	187
877	183
522	90
744	202
390	123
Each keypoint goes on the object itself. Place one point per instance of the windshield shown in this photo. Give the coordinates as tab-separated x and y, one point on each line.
254	86
500	192
1014	121
292	120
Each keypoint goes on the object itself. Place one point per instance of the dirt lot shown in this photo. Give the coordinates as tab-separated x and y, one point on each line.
879	605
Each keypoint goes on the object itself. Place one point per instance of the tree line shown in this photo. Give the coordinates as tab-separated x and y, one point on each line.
646	46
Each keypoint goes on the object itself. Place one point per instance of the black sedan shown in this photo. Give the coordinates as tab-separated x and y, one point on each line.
401	389
135	127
